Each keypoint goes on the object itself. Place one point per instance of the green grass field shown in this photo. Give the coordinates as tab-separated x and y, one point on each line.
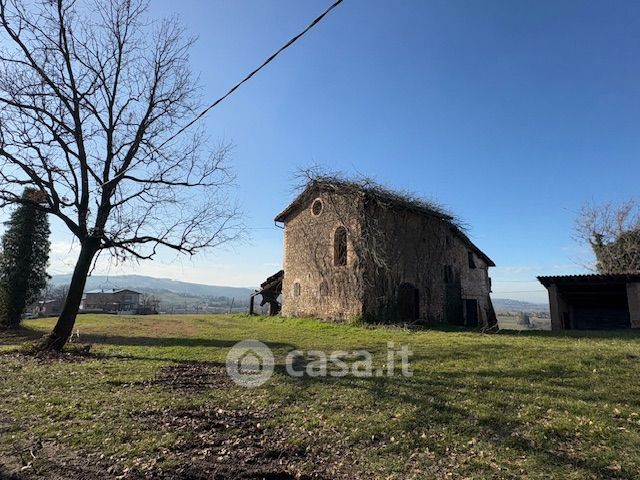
506	322
153	400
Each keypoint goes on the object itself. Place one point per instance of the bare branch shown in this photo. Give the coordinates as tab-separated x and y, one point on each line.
89	94
613	233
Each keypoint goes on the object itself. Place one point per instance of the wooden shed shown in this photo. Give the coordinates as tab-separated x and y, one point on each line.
593	302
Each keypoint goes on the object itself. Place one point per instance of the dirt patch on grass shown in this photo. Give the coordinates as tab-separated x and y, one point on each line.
48	460
210	452
211	443
72	353
237	444
191	377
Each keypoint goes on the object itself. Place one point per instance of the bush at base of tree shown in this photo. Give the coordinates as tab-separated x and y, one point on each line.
23	263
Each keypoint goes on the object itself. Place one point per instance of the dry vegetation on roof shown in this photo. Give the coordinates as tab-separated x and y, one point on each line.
384	196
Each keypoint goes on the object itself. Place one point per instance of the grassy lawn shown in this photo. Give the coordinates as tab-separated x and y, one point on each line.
511	323
153	400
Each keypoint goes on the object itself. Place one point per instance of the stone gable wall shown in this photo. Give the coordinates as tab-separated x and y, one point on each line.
325	290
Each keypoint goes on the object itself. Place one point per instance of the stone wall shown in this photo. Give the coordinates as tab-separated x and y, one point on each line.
386	248
417	249
312	284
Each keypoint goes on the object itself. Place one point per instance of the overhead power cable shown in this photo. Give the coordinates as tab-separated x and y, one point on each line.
250	75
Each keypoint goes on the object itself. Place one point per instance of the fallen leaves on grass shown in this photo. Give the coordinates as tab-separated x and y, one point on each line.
236	444
191	377
75	353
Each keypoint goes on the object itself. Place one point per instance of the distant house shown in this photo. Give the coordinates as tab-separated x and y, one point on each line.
357	250
114	300
48	308
584	302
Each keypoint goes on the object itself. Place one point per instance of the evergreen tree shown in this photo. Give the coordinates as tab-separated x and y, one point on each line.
23	263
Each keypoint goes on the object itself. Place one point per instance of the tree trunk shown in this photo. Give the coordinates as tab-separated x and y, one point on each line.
64	327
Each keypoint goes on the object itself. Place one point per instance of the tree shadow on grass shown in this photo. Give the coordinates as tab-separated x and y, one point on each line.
19	335
620	334
25	334
433	395
498	425
623	333
144	341
439	403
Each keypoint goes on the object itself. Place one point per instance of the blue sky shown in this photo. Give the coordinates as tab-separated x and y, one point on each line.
511	113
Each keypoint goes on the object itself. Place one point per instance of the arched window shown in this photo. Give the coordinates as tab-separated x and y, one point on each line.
340	247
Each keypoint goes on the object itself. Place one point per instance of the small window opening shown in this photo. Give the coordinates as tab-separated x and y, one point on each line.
472	261
296	289
340	247
316	207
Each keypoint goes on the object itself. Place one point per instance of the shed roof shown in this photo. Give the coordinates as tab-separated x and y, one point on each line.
590	279
390	198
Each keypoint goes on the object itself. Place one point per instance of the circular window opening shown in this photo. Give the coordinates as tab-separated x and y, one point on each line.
316	207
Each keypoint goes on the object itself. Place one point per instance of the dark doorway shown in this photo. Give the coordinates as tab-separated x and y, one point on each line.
596	307
602	318
453	308
408	302
471	305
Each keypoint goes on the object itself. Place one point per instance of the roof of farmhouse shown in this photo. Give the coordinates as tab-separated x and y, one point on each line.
384	197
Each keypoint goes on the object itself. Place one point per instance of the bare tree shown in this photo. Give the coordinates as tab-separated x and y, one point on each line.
58	294
91	97
613	233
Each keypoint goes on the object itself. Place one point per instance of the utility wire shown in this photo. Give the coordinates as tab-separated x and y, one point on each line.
250	75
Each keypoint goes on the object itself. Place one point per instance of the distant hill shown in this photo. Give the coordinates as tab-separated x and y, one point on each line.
509	305
154	285
177	293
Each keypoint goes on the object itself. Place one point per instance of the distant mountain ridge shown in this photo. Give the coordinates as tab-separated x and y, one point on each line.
176	291
145	284
509	305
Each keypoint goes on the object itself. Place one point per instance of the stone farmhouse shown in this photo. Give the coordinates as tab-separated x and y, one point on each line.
357	250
